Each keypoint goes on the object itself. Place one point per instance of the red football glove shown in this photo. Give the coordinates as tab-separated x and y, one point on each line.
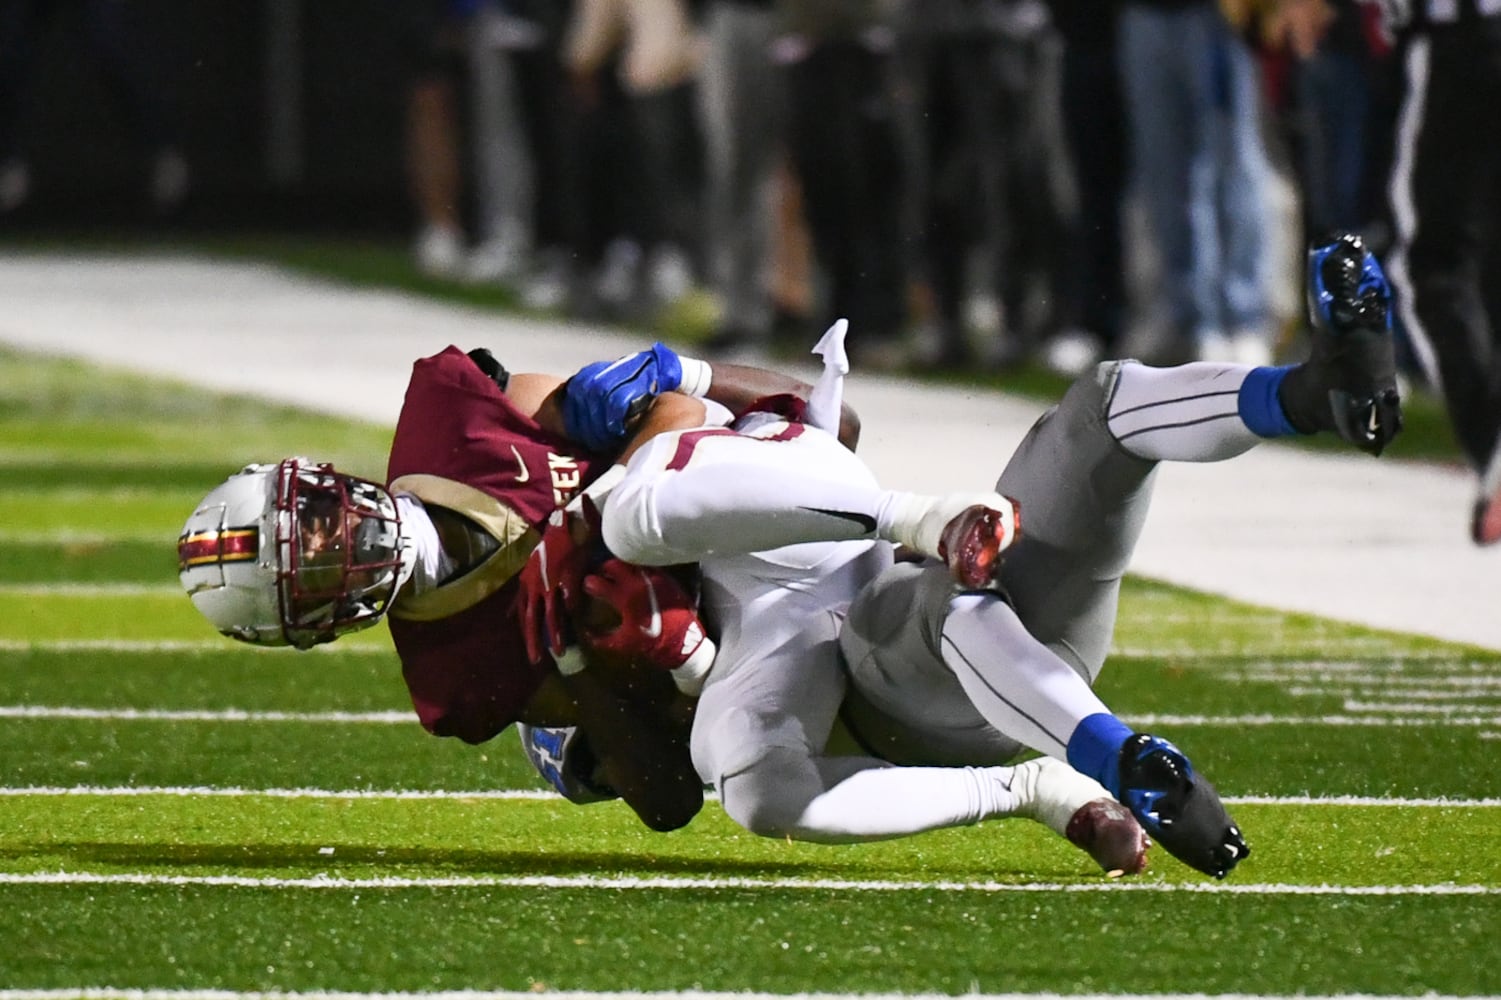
552	580
659	625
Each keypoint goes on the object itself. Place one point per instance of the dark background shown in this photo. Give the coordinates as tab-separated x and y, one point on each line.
290	111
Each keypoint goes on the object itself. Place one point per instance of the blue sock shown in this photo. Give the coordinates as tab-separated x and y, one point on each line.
1260	409
1095	749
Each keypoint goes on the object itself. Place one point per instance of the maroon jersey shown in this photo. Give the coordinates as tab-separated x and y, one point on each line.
461	444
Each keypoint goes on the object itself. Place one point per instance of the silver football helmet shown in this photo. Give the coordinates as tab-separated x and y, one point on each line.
294	554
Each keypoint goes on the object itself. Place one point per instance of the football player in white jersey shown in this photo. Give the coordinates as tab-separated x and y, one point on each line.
967	675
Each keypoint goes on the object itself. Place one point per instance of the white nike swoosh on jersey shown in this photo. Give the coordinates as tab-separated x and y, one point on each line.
525	473
654	628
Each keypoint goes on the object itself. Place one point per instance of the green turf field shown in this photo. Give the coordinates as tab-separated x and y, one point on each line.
179	813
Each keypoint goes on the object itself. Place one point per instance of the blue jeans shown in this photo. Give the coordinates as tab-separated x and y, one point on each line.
1333	95
1193	102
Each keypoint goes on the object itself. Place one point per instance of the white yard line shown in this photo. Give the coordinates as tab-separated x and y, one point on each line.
72	536
278	793
1148	721
172	590
206	791
668	883
1399	716
209	645
111	993
383	718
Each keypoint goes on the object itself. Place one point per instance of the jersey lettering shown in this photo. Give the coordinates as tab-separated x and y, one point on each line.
564	470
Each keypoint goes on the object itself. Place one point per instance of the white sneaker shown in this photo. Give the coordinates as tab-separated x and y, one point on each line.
1251	347
1243	347
169	180
1215	348
15	185
499	259
1072	353
547	288
669	275
1079	809
618	273
440	252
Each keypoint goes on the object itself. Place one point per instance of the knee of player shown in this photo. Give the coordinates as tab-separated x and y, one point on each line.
757	800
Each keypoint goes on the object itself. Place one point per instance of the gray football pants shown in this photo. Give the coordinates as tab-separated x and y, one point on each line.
1083	502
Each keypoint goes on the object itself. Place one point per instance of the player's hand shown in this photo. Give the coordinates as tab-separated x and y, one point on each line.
603	401
551	580
1297	26
655	621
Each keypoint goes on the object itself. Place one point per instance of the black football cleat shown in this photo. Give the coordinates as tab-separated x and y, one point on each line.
1178	808
1349	305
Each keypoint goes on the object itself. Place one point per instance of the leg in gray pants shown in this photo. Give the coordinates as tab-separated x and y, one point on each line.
1083	500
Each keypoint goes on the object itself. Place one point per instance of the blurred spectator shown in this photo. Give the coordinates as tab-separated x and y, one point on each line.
553	122
1331	96
742	110
437	30
128	63
1446	208
842	134
651	50
986	75
793	297
473	135
1193	99
507	41
1094	121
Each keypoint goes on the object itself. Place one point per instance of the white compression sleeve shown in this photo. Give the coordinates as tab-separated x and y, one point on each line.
844	800
1015	682
1190	413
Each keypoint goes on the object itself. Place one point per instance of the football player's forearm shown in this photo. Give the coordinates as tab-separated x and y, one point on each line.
669	412
736	387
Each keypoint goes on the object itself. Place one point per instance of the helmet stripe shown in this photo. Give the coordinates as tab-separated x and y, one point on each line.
203	547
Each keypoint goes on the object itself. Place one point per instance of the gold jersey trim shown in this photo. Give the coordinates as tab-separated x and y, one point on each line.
516	538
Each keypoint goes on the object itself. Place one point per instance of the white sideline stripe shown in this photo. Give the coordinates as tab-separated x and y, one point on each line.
111	993
114	645
1309	720
1368	649
728	882
1414	708
202	715
395	717
90	589
1302	683
1358	800
1484	690
211	645
72	536
284	793
126	791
